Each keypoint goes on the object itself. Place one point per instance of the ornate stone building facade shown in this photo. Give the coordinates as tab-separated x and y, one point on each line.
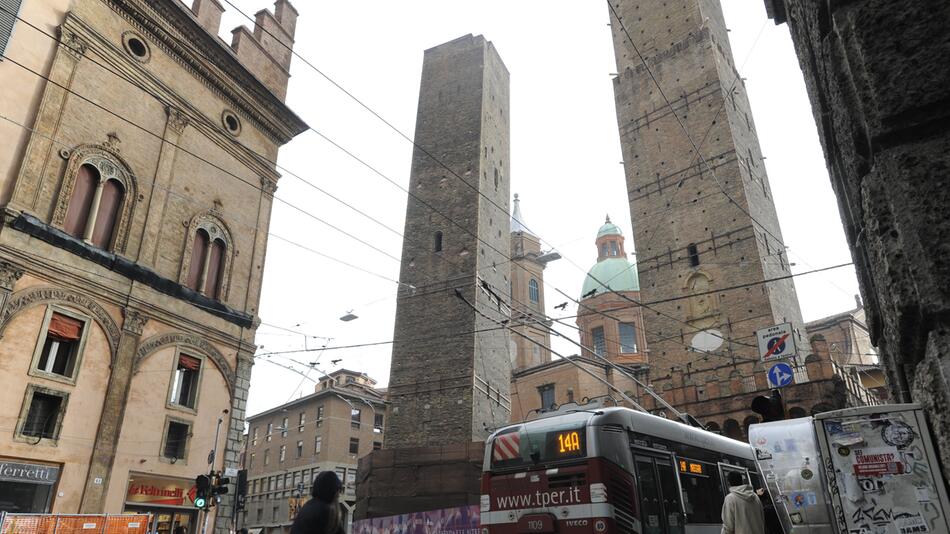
137	180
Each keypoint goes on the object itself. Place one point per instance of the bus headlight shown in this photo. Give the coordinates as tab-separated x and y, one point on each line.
485	503
598	492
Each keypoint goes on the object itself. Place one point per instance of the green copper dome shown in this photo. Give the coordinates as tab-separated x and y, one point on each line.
609	228
617	273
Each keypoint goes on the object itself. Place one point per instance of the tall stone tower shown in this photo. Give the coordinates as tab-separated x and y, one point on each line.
451	365
528	318
697	228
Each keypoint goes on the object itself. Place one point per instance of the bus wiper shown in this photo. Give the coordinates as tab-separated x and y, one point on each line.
535	457
595	412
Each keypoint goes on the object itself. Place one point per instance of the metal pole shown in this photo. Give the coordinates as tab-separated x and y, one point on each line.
211	458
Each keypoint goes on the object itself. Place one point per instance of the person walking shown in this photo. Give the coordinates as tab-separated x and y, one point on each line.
321	514
741	510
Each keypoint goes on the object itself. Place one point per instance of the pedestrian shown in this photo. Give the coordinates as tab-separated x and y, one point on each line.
741	510
321	514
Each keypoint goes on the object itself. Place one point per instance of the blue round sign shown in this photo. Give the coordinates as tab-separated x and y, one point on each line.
780	375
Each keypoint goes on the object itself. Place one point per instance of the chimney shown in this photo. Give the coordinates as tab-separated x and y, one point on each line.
208	13
266	51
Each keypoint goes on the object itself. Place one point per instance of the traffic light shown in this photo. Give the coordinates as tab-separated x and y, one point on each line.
202	491
219	486
241	496
770	408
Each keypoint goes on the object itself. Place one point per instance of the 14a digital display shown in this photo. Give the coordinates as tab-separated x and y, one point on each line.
569	442
691	467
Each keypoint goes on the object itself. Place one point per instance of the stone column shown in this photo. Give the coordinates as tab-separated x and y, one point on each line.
233	446
158	197
9	274
113	412
41	147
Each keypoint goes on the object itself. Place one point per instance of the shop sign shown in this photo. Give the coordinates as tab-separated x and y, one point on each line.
36	474
160	491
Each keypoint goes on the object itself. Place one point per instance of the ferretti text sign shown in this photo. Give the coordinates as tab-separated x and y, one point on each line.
37	474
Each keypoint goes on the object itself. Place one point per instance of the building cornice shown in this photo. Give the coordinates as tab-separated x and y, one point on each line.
176	31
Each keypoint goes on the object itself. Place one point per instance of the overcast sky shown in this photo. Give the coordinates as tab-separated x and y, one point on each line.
565	162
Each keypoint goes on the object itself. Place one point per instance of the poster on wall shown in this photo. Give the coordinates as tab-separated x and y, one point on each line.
457	520
882	470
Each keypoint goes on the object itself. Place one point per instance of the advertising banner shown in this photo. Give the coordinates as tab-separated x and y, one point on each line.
160	491
458	520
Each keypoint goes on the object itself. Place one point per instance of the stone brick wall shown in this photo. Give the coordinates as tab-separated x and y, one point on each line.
877	78
449	385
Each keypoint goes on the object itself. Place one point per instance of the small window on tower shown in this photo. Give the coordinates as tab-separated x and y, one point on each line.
437	245
614	251
533	292
693	254
547	397
599	341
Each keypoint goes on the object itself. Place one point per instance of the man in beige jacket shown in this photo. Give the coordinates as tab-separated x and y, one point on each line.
741	511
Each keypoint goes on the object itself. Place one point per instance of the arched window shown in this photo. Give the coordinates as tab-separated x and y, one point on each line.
533	293
437	242
94	207
731	429
199	252
206	265
796	412
614	251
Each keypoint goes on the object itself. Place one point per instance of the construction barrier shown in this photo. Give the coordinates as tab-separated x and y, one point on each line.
74	524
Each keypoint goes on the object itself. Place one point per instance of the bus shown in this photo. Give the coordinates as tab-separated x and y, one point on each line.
608	470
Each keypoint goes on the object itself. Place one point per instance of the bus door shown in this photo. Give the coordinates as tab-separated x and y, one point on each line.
724	470
661	511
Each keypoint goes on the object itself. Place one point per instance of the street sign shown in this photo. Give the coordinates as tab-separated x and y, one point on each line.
780	375
776	342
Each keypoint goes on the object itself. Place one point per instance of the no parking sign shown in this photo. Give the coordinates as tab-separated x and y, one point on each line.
776	342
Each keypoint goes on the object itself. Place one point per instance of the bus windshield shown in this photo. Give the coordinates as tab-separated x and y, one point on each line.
540	442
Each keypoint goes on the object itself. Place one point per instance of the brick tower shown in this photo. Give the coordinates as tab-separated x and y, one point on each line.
697	228
448	384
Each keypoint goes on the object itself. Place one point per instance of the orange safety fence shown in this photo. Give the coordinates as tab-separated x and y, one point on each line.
74	524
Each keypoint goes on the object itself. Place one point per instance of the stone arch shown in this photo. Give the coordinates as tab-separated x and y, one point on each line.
730	428
194	342
111	166
821	407
701	303
713	426
34	296
211	223
812	358
796	412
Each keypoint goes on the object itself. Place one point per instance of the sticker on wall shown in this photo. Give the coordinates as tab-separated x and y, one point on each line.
807	474
844	451
911	524
898	434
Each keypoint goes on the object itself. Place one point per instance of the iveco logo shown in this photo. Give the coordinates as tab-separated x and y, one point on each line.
576	523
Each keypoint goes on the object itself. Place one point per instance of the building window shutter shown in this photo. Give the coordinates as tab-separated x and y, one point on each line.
77	215
65	328
9	9
108	215
199	249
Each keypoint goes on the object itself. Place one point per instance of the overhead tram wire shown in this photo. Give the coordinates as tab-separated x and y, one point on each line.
529	338
451	171
263	158
682	126
299	209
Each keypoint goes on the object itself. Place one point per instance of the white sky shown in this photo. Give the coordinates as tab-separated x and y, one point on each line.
565	161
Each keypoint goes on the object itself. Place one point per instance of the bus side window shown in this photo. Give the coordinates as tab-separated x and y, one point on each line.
702	494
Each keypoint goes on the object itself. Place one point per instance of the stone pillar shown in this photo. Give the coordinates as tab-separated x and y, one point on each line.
9	274
40	149
233	444
158	196
113	411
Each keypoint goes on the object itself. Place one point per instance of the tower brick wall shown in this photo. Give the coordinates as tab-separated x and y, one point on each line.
725	210
449	384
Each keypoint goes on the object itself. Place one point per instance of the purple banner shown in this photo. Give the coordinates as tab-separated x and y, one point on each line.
459	520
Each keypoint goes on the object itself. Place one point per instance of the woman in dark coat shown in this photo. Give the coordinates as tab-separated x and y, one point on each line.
321	514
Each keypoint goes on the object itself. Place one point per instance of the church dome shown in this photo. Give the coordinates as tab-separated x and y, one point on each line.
609	228
612	272
617	273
